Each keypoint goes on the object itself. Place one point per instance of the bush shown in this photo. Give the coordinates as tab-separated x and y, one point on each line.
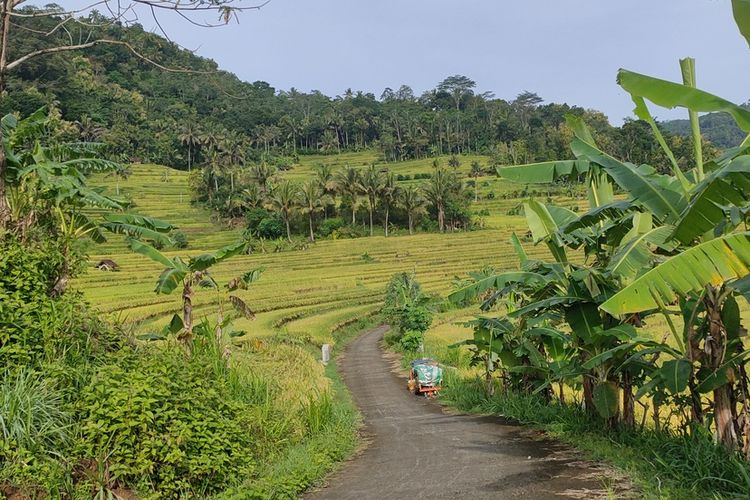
254	216
164	421
411	341
36	327
328	226
179	239
414	317
271	228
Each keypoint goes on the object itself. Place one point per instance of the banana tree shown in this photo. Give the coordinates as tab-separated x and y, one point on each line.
189	273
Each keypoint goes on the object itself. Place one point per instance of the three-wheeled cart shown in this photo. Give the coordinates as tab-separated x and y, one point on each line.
425	377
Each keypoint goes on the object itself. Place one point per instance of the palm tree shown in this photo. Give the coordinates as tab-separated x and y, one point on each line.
347	183
475	173
312	200
412	201
283	199
438	190
251	195
262	173
191	138
90	130
120	172
371	185
326	182
215	164
390	194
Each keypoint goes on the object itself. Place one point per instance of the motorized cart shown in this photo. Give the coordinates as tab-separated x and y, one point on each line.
425	377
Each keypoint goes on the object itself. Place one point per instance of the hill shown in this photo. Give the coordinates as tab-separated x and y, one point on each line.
109	95
719	128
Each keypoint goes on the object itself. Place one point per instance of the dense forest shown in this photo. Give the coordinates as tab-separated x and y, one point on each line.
718	128
112	96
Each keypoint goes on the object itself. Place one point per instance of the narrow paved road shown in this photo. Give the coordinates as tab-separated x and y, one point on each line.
418	451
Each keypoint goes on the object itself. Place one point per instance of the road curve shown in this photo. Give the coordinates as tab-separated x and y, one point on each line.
417	451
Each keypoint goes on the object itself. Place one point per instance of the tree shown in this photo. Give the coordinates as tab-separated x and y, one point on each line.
371	185
458	87
312	201
262	173
188	274
327	183
283	199
348	182
390	193
475	173
62	41
413	203
190	137
438	190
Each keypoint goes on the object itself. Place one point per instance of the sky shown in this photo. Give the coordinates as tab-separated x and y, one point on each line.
564	50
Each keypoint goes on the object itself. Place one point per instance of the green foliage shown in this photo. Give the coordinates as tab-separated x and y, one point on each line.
164	421
179	240
271	228
411	341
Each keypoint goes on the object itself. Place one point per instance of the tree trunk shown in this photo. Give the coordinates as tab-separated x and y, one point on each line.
231	181
216	184
562	393
386	220
716	342
371	208
7	7
354	215
411	224
441	217
588	394
288	230
189	157
476	190
628	402
312	234
187	312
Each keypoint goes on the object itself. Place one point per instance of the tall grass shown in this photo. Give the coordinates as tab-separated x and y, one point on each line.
32	413
663	464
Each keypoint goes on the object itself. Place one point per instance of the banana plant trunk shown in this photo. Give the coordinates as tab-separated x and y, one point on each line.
628	402
187	311
725	412
588	394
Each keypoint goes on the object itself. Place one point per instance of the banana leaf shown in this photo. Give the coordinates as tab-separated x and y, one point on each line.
497	281
741	11
635	256
726	187
711	263
654	191
671	95
544	172
203	262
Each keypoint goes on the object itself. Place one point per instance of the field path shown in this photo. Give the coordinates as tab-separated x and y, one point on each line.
418	451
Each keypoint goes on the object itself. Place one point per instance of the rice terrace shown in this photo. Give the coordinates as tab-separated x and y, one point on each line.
214	284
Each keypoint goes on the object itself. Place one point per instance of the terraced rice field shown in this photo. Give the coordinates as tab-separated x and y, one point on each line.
307	293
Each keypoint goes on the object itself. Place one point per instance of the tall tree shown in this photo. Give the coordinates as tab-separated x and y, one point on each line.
190	137
283	199
312	200
438	191
390	193
475	173
348	185
413	203
371	185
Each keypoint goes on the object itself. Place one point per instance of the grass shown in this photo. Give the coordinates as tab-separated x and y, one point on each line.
661	465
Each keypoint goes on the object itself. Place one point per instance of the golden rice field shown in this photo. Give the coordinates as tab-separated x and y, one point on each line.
306	293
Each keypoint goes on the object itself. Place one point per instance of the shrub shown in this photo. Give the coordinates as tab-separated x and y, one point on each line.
179	239
162	420
36	327
490	195
328	226
254	216
411	341
271	228
414	317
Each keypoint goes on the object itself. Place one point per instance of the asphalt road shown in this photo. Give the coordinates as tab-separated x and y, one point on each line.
416	450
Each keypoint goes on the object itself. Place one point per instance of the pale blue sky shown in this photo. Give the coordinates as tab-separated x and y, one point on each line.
565	50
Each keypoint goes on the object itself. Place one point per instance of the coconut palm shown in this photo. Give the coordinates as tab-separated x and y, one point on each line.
283	199
327	183
390	194
191	138
262	173
414	204
312	200
438	190
347	183
371	185
90	130
475	173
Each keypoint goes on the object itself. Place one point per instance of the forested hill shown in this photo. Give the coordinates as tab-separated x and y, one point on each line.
719	128
141	112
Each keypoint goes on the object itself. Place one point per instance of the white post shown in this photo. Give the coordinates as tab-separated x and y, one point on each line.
326	353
